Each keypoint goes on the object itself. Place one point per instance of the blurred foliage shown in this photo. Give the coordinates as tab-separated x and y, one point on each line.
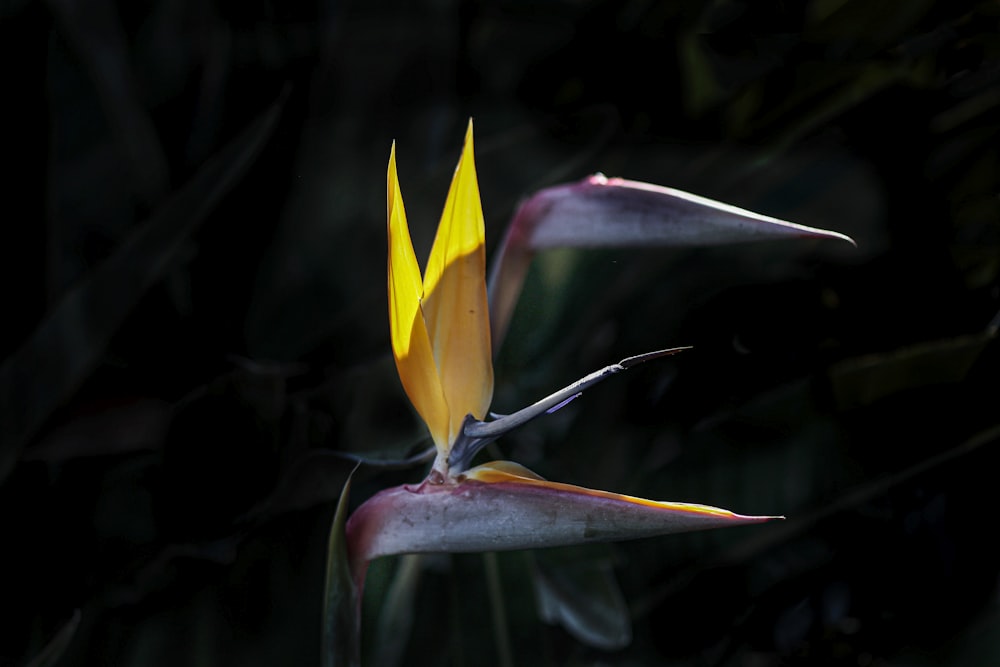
170	441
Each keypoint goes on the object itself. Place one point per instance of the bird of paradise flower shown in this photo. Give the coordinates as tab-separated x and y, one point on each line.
441	342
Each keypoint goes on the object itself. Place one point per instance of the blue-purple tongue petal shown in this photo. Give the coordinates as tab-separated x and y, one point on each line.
477	434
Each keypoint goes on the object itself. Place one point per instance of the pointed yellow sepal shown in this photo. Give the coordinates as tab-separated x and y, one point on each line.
440	326
411	346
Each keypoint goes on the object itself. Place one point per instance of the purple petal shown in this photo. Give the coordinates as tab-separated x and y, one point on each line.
502	506
614	212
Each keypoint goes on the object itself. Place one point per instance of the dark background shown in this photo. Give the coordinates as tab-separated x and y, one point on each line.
188	342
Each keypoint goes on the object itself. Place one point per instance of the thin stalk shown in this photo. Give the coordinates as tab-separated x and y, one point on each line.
498	610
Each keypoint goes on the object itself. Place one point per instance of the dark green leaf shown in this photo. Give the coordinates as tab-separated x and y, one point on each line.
341	618
62	352
50	655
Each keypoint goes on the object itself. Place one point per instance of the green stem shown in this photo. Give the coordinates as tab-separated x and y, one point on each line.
500	631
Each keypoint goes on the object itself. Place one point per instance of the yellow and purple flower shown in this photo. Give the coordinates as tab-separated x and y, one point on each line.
440	333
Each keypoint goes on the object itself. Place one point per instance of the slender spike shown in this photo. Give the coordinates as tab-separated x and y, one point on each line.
389	464
494	429
477	434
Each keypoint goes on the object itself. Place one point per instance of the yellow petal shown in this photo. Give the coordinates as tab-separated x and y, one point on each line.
411	345
455	306
506	471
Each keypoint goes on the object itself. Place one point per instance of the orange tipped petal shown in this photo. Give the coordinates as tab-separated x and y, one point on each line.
411	345
497	472
455	305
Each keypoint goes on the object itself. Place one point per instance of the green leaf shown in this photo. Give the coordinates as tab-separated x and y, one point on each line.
863	381
341	617
54	650
395	623
585	599
69	342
